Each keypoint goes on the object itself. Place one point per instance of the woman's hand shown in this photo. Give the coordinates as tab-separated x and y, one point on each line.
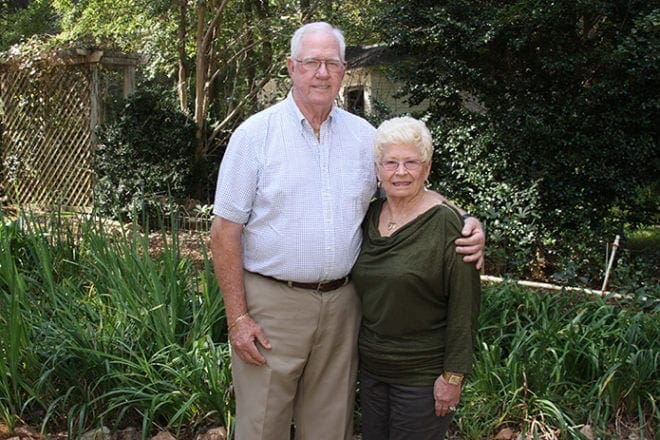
446	396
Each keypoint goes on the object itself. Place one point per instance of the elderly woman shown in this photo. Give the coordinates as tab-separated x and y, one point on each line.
420	301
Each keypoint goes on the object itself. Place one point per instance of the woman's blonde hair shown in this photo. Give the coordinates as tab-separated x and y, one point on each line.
407	131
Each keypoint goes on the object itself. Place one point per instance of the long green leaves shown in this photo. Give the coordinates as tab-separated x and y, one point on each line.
549	363
98	329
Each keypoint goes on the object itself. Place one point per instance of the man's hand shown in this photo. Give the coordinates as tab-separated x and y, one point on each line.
473	242
244	337
244	332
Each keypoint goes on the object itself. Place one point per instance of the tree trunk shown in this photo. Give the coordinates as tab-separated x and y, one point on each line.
200	79
204	38
182	87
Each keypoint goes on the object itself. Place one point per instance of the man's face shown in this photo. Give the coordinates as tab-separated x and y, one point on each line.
316	87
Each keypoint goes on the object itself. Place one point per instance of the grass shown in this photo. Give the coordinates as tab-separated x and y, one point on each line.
646	239
97	330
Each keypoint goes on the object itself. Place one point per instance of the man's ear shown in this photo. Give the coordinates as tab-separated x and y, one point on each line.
290	65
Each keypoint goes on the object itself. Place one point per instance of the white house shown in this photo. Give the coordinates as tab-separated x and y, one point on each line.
366	85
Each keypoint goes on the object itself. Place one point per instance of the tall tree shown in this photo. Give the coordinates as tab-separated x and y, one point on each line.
217	54
216	47
220	51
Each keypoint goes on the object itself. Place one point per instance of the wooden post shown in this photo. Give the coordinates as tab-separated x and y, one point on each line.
129	80
94	103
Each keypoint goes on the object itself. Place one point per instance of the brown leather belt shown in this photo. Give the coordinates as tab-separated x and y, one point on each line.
321	287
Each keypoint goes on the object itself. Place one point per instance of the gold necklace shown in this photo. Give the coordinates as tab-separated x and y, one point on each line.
391	223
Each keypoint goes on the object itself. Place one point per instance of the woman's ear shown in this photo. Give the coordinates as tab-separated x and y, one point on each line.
428	171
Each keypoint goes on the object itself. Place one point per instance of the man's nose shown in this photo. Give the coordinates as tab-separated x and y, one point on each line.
322	70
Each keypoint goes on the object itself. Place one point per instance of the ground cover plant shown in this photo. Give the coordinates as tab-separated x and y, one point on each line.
95	329
100	327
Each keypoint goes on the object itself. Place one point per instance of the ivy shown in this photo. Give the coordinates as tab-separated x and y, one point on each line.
544	117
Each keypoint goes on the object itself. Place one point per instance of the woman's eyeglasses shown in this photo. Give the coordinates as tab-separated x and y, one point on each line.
393	165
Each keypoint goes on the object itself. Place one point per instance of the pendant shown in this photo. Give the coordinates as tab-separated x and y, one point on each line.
391	226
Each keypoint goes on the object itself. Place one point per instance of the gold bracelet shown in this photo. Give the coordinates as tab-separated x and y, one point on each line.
237	320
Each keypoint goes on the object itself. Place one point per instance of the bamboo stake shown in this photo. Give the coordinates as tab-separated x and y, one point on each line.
615	246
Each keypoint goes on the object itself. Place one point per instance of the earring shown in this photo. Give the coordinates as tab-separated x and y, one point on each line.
379	184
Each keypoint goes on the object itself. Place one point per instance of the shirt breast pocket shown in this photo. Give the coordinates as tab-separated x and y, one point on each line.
357	186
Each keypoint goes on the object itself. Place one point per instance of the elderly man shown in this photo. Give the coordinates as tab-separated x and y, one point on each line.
293	188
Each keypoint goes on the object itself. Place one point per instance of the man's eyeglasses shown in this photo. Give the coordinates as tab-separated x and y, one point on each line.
393	165
332	66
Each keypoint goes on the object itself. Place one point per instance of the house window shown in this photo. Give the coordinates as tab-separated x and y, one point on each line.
354	99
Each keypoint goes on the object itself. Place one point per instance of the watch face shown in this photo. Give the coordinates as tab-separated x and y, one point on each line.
454	380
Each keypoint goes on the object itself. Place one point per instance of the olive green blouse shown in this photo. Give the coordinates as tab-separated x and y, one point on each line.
420	301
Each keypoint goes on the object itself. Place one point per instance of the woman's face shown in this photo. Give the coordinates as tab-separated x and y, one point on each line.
401	171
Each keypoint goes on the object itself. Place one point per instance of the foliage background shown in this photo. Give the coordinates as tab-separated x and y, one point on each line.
544	115
543	112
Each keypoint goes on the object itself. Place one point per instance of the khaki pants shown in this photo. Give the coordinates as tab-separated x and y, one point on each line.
311	369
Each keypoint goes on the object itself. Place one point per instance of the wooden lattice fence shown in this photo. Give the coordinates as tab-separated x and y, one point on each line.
50	113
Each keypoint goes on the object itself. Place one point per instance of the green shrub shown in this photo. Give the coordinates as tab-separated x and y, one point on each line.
509	209
145	157
100	330
546	111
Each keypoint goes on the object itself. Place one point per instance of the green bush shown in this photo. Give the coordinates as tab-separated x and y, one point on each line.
554	98
145	157
509	209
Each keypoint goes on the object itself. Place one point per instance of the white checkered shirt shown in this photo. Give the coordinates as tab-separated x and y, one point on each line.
301	200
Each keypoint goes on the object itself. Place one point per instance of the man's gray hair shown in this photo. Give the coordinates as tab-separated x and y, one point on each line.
318	27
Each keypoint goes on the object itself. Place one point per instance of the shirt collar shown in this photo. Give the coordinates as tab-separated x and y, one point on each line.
295	112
